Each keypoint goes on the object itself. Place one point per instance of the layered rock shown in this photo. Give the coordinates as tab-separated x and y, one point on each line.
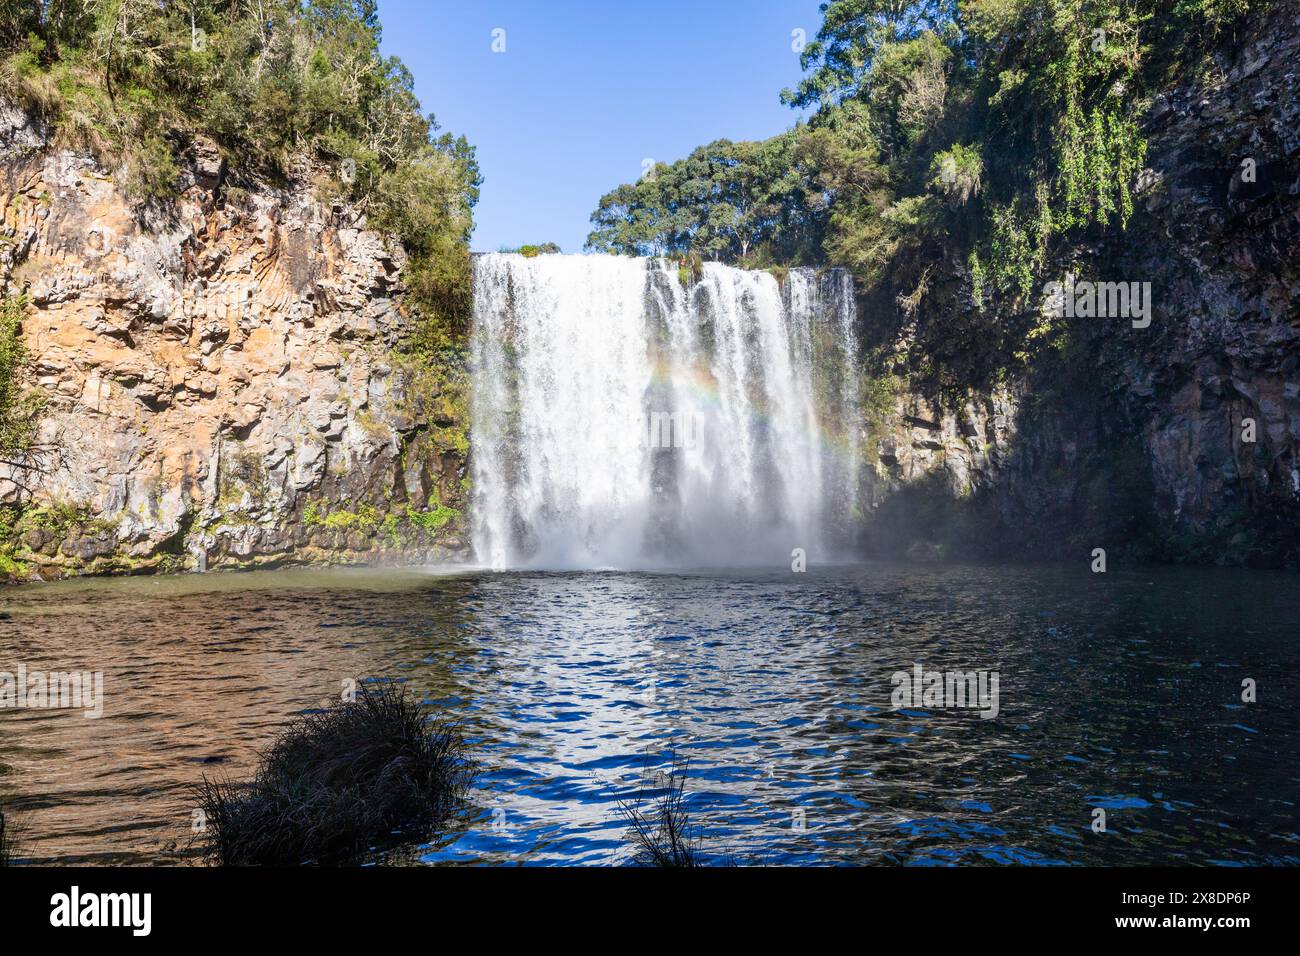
224	381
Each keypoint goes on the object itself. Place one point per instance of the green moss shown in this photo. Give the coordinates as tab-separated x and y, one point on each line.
435	388
11	567
879	397
373	426
57	521
432	520
977	276
365	519
452	438
20	408
319	514
396	526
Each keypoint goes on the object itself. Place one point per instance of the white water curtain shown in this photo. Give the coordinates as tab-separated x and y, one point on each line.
625	419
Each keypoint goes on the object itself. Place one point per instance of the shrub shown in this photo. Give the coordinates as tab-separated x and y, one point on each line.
338	783
957	173
19	408
8	839
663	833
432	520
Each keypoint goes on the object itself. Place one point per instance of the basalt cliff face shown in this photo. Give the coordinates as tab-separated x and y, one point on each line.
224	382
1178	441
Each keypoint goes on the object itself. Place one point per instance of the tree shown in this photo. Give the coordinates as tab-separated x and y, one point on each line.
841	60
721	202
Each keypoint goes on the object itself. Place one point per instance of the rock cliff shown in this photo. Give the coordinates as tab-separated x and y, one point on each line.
1179	441
224	380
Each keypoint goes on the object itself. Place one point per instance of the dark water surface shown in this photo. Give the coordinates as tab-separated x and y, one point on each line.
1120	691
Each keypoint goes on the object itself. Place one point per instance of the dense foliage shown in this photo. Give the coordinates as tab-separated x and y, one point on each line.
18	406
982	131
273	81
532	250
728	201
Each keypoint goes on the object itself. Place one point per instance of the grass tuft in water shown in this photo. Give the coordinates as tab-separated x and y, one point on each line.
663	832
8	839
339	783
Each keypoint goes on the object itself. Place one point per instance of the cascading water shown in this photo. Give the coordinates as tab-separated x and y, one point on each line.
624	418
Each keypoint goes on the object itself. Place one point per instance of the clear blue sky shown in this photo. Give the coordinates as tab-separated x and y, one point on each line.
586	90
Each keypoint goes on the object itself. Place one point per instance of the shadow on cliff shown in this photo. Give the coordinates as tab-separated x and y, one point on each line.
1077	475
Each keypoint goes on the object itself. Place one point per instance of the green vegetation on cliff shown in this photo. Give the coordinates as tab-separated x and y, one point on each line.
985	133
532	250
398	526
18	406
274	82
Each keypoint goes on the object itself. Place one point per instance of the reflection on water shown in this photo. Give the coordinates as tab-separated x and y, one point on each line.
1120	691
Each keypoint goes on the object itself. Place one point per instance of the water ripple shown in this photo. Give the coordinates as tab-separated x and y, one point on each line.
774	690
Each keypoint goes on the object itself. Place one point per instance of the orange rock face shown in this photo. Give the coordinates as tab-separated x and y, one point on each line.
223	380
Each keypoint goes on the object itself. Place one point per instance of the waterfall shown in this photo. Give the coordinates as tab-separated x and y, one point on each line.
623	417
